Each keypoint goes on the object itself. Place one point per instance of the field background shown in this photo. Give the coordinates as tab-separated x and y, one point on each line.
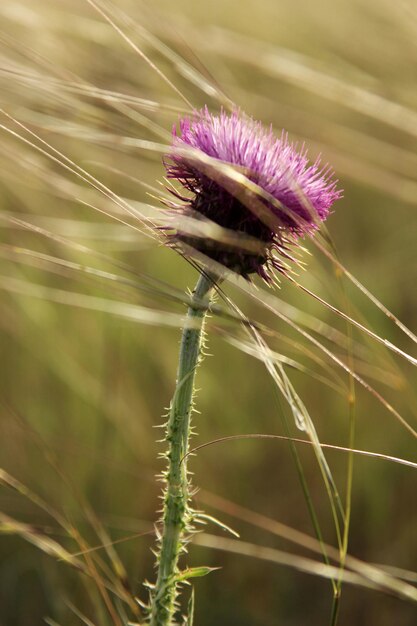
82	389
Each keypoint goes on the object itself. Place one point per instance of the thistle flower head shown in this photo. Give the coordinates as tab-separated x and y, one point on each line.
271	197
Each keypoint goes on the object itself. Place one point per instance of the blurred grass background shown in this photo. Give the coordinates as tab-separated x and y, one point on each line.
82	389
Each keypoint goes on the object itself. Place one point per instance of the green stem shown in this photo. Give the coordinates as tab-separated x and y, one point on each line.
177	515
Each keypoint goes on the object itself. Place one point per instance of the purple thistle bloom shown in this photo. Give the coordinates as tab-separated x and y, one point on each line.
289	200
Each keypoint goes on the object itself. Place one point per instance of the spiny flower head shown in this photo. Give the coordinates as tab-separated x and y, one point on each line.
284	197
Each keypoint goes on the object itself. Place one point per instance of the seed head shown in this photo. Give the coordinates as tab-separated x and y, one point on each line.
271	197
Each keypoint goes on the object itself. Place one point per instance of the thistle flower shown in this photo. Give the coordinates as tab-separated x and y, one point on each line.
281	197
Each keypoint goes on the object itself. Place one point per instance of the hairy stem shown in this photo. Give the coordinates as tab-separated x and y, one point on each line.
176	514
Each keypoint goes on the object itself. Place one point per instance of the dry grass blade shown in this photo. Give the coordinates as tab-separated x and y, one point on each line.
329	446
333	258
358	325
298	70
390	579
308	566
267	301
8	525
57	157
136	49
